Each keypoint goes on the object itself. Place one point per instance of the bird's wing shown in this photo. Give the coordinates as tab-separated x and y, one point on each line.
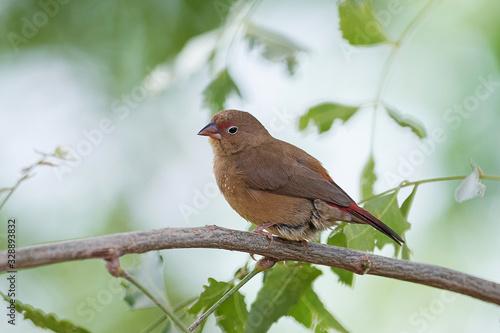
292	173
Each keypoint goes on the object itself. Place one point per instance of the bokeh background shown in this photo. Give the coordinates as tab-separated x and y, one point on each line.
122	83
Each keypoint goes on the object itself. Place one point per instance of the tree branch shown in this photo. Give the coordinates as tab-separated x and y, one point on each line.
215	237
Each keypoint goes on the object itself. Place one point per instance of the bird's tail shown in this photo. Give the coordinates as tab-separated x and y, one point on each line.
365	217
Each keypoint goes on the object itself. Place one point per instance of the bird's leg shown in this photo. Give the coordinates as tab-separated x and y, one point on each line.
260	230
305	244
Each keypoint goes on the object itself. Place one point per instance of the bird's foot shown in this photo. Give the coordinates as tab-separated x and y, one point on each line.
260	230
306	245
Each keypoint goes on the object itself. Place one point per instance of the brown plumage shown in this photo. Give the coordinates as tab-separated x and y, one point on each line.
275	185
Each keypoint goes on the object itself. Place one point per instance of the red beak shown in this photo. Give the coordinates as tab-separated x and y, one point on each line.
211	131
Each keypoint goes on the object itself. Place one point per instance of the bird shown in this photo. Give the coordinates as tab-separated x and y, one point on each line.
277	186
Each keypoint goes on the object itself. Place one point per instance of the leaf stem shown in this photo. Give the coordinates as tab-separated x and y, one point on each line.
155	324
124	274
236	19
419	16
27	174
224	298
396	46
176	308
384	74
57	154
424	181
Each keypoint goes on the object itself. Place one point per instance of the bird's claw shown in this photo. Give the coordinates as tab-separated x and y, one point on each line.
305	244
260	230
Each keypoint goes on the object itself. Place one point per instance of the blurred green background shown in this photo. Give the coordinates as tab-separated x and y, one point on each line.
122	83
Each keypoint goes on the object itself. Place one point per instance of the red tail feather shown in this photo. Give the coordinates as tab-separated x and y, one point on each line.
369	219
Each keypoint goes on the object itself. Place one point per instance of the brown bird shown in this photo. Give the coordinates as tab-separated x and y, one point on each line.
275	185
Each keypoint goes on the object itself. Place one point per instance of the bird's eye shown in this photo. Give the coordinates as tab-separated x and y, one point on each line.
232	130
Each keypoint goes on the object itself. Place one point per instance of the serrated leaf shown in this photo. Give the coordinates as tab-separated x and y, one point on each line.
405	252
405	120
232	315
387	210
217	92
338	238
211	294
368	178
282	289
324	114
274	46
406	206
471	186
311	313
47	321
150	274
358	23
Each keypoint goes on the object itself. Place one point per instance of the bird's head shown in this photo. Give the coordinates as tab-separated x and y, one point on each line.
231	131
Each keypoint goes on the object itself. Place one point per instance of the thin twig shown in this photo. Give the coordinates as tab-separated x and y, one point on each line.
176	308
59	153
145	291
220	238
223	299
425	181
384	74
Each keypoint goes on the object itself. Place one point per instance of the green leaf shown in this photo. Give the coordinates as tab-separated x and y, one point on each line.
406	206
404	120
360	237
232	315
358	23
274	46
405	252
213	291
324	114
368	178
311	313
338	238
387	210
150	274
216	93
405	211
282	289
167	328
43	320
